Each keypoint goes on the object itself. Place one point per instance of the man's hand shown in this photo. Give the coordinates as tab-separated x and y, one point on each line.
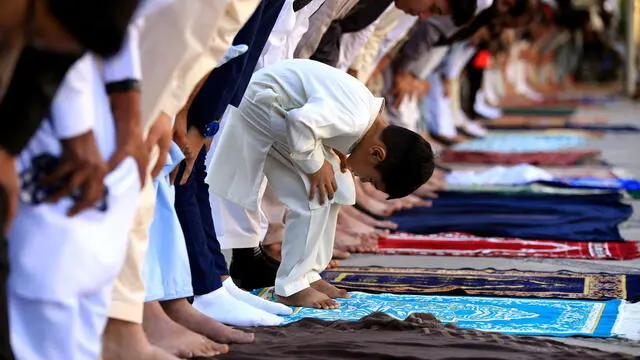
82	169
344	165
159	135
9	183
130	140
190	142
406	85
324	180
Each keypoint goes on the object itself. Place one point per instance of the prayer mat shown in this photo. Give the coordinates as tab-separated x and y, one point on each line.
461	244
540	317
487	282
557	158
518	143
594	217
567	125
557	171
534	188
418	337
539	111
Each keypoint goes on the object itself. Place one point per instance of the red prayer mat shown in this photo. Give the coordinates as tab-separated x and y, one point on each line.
462	244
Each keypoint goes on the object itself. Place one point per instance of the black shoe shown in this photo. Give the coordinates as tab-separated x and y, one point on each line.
253	269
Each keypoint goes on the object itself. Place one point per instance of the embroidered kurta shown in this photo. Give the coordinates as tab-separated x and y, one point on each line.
296	110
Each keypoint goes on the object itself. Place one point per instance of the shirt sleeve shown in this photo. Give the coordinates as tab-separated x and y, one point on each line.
72	110
422	39
125	65
308	125
29	95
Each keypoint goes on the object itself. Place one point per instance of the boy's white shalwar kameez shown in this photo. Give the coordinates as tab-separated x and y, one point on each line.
237	227
63	268
291	115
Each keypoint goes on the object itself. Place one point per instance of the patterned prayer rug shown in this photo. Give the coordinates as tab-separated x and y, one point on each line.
504	315
460	244
488	282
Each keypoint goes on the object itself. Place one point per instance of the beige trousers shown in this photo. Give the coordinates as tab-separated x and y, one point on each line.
179	45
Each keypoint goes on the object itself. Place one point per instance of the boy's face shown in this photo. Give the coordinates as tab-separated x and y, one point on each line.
424	8
363	164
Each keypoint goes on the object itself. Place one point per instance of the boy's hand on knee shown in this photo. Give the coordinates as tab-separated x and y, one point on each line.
324	182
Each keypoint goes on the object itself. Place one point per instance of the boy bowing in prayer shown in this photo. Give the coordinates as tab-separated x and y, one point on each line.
294	123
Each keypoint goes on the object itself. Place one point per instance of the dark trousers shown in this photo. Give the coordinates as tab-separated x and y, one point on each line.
5	345
194	212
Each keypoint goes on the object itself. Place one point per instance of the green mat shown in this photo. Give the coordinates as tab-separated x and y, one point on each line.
539	111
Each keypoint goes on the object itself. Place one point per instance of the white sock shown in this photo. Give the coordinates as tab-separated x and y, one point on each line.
255	301
221	306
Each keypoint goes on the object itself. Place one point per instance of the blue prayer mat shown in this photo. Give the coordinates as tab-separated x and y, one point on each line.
514	143
504	315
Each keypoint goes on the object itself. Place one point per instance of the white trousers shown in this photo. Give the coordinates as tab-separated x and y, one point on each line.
309	234
236	227
65	330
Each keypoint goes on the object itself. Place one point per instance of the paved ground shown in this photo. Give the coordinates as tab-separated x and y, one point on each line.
622	150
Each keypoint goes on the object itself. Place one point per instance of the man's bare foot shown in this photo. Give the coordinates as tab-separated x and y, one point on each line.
274	250
329	290
354	226
333	264
183	313
309	298
175	339
339	255
124	340
354	243
364	218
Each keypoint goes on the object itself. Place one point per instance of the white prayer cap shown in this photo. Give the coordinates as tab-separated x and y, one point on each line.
483	5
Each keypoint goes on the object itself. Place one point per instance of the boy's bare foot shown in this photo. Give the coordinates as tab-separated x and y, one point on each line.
183	313
329	290
175	339
124	340
309	298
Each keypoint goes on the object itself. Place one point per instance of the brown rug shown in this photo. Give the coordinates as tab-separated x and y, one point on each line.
421	336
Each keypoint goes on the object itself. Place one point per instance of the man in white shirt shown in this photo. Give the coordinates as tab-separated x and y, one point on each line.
61	282
295	122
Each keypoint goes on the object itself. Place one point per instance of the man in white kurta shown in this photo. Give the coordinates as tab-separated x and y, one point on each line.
292	114
63	268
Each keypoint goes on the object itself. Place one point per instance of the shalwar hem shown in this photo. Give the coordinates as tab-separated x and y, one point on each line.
180	294
128	311
292	288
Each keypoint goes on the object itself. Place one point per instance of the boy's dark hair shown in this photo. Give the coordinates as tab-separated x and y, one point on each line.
409	162
462	11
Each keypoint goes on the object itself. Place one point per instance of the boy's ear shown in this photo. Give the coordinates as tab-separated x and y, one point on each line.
377	153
